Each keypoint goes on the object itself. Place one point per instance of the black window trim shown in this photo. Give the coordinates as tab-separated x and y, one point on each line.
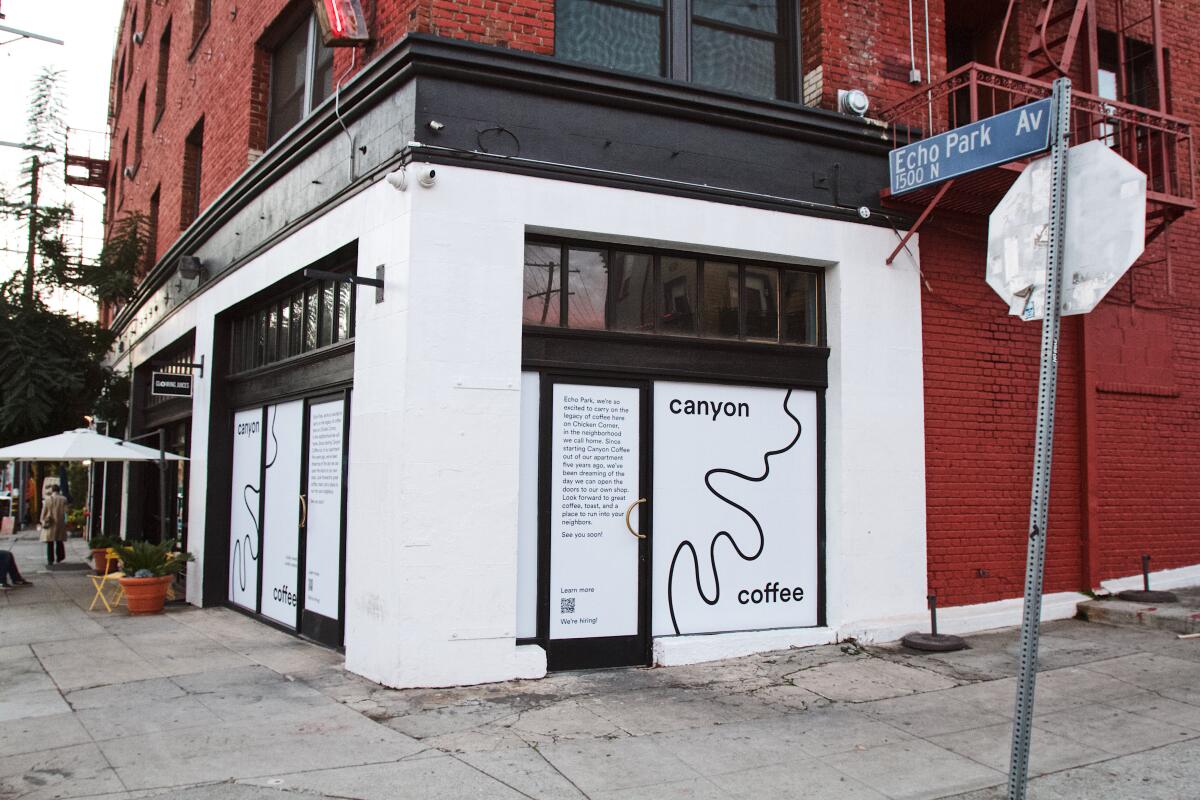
243	341
565	244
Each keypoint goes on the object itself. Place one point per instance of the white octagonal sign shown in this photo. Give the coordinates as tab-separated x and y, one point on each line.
1106	231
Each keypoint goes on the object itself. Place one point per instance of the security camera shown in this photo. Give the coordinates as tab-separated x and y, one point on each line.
190	267
139	37
426	175
853	101
398	179
129	172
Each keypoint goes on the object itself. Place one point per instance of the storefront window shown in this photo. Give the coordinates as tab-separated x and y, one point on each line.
598	288
542	285
721	303
302	320
631	306
762	304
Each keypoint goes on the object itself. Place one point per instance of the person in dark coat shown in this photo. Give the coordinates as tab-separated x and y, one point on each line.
10	576
54	526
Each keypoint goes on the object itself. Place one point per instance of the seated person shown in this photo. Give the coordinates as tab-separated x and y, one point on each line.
9	574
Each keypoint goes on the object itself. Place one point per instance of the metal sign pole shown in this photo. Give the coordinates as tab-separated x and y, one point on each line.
1043	448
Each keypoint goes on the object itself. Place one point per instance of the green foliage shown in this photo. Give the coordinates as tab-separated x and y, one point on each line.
157	559
51	368
99	542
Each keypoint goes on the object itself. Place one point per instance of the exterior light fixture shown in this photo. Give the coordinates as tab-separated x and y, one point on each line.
853	101
190	267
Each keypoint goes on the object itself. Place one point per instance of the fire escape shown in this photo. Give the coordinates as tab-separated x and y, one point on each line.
1119	96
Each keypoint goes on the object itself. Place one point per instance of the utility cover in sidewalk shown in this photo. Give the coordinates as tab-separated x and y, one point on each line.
1106	231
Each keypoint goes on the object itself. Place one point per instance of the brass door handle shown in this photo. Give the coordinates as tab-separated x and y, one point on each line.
303	512
629	511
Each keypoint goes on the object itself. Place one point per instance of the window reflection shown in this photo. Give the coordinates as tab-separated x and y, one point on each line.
587	288
632	304
720	306
678	295
762	303
542	284
619	290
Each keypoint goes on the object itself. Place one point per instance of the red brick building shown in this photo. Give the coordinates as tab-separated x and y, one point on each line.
699	212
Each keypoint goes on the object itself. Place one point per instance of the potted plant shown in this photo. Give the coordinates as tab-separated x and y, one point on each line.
149	570
99	546
76	519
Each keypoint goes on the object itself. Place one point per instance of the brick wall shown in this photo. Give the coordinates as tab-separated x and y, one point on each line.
1141	435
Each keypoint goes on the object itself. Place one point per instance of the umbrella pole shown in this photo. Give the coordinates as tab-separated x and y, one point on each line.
162	484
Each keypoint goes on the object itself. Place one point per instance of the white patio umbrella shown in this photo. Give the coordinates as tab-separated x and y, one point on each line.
85	444
82	444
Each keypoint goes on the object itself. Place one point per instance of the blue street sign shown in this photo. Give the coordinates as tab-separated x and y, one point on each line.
996	140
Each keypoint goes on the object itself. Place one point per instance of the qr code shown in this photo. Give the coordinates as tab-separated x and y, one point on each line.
566	605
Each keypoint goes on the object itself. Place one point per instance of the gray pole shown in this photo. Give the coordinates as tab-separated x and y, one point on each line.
1060	132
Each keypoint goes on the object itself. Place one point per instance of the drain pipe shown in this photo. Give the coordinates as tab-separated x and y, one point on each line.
914	74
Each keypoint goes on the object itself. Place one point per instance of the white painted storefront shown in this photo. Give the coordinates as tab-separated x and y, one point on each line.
441	554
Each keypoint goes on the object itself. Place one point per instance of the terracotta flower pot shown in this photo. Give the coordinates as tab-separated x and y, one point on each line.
101	560
146	595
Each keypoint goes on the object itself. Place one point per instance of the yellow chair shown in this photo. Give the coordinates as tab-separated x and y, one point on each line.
108	581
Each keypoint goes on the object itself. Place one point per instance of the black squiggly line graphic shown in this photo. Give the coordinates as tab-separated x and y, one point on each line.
240	550
712	547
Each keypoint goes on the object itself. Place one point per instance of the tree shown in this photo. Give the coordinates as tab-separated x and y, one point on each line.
51	364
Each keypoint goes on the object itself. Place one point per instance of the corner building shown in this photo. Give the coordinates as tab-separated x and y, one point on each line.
658	371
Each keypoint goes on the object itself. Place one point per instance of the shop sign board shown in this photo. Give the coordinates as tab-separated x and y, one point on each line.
1105	231
735	508
170	384
989	142
595	477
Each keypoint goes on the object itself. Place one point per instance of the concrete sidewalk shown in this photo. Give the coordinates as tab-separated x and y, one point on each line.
207	704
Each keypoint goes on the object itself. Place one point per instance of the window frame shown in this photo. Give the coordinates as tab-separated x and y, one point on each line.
163	69
251	320
565	245
675	43
313	38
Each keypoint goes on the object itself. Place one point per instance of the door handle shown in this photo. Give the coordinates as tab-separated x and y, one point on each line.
303	512
629	511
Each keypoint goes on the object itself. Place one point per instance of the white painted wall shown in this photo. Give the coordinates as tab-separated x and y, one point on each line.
436	414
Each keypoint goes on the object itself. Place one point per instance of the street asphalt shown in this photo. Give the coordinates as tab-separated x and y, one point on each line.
211	705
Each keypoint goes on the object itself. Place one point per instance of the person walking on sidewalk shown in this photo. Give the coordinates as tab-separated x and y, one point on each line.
54	526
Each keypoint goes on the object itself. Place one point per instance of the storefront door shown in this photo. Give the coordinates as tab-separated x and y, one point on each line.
287	521
595	530
323	523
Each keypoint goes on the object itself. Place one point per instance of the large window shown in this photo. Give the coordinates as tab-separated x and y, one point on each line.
591	287
315	315
741	47
301	77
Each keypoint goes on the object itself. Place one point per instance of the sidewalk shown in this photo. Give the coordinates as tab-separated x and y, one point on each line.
208	704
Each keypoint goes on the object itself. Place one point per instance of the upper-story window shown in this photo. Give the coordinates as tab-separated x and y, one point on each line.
744	47
164	71
301	77
599	287
201	16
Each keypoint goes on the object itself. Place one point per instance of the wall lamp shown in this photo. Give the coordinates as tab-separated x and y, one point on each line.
343	277
190	267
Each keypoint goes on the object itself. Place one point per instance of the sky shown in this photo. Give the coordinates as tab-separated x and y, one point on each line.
88	28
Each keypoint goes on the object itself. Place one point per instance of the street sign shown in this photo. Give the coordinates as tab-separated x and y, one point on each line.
170	384
1105	232
996	140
